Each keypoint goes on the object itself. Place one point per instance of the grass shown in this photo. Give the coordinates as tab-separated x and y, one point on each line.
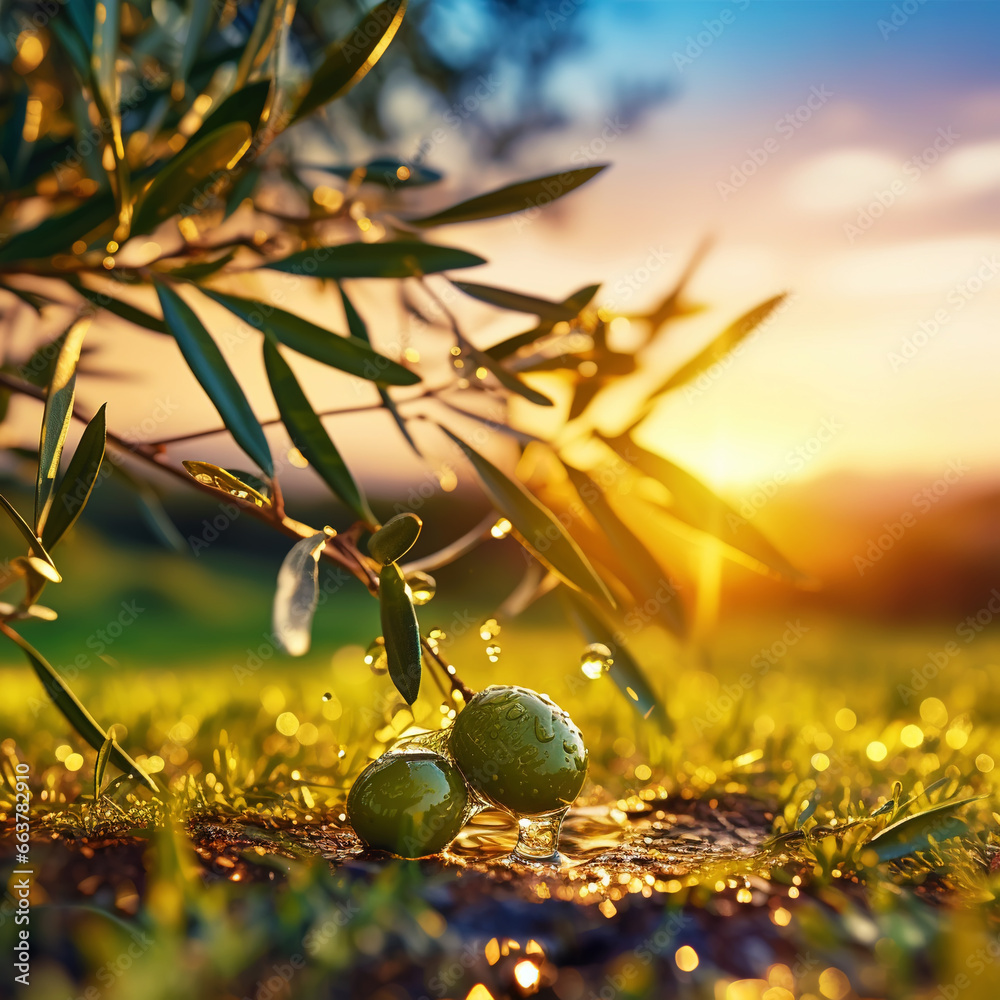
820	722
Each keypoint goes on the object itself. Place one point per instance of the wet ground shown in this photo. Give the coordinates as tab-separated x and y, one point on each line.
651	897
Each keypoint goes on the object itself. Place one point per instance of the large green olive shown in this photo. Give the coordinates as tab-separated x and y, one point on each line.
519	750
411	804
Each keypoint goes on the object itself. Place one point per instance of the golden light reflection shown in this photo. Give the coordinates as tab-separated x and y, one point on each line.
686	958
527	975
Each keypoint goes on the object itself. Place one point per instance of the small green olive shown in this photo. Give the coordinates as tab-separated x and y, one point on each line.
411	804
519	750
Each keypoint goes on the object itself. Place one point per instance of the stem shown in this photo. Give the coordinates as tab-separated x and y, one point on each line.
341	549
363	408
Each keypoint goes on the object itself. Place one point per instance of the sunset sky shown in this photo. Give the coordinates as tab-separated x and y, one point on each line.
829	152
909	113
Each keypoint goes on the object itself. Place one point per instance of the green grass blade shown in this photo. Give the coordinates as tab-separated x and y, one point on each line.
77	484
395	259
209	366
401	632
57	418
101	765
348	354
348	60
536	526
73	710
915	833
309	435
534	193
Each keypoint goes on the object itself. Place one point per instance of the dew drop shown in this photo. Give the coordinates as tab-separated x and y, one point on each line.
541	735
375	657
501	529
489	629
596	660
422	587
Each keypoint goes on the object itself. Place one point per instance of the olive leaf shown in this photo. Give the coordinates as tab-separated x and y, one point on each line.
400	631
245	105
916	833
198	165
695	505
575	303
395	259
204	14
209	366
536	527
730	337
348	60
29	536
359	330
389	172
57	418
309	435
395	538
517	302
227	482
534	193
107	96
58	232
650	585
349	354
73	710
297	594
77	484
625	671
121	309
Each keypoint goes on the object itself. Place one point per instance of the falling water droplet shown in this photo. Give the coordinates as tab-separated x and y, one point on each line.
375	657
327	696
501	529
489	629
596	660
538	836
493	652
422	587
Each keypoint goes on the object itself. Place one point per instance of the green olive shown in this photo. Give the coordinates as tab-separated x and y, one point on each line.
410	804
519	750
